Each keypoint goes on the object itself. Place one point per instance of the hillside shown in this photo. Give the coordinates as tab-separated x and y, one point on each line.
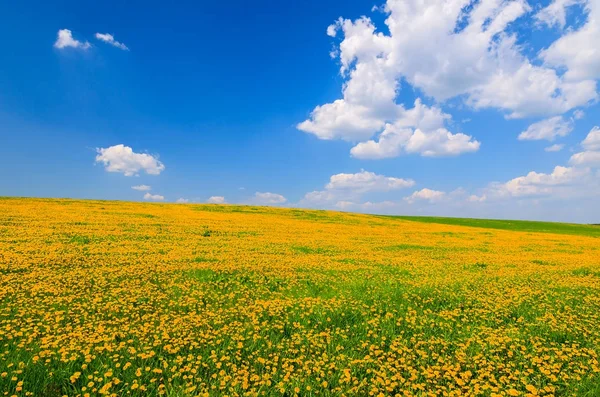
122	298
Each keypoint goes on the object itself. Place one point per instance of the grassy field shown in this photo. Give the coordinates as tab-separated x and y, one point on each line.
521	226
134	299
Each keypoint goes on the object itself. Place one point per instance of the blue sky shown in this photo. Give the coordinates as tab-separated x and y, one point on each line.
348	105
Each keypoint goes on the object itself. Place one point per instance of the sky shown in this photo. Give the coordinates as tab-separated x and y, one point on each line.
462	108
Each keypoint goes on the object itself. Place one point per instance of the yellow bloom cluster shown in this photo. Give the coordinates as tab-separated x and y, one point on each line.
131	299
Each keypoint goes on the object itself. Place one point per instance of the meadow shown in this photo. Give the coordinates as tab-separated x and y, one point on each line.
134	299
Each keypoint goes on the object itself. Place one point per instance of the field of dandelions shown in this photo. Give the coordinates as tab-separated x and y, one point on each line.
136	299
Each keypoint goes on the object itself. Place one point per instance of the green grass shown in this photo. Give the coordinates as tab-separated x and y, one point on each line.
519	226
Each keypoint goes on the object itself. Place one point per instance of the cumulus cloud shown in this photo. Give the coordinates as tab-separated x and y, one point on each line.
557	147
342	120
587	158
365	181
592	140
417	130
531	91
216	200
454	49
153	197
268	198
547	129
577	50
123	159
65	39
319	198
351	187
445	49
535	195
368	206
419	202
109	39
392	142
591	154
429	195
182	200
332	30
561	182
141	188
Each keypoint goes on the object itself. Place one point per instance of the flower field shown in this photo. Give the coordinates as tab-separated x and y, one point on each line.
133	299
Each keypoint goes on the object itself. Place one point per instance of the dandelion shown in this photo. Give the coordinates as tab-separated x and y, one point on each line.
124	299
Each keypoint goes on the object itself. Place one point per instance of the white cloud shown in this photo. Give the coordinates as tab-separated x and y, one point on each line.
429	195
547	129
440	143
587	158
65	39
557	147
268	198
555	13
182	201
368	206
216	200
578	114
352	122
350	188
153	197
445	49
428	139
592	140
141	188
342	120
477	199
109	38
123	159
577	50
535	195
444	203
318	198
365	181
531	91
332	30
392	142
448	49
562	181
590	157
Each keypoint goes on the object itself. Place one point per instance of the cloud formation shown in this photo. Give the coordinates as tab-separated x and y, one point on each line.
109	39
590	156
216	200
351	187
153	197
268	198
577	50
429	195
365	181
548	129
557	147
122	159
65	39
141	188
454	49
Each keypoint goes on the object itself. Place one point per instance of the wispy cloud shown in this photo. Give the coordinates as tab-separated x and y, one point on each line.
110	39
141	188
